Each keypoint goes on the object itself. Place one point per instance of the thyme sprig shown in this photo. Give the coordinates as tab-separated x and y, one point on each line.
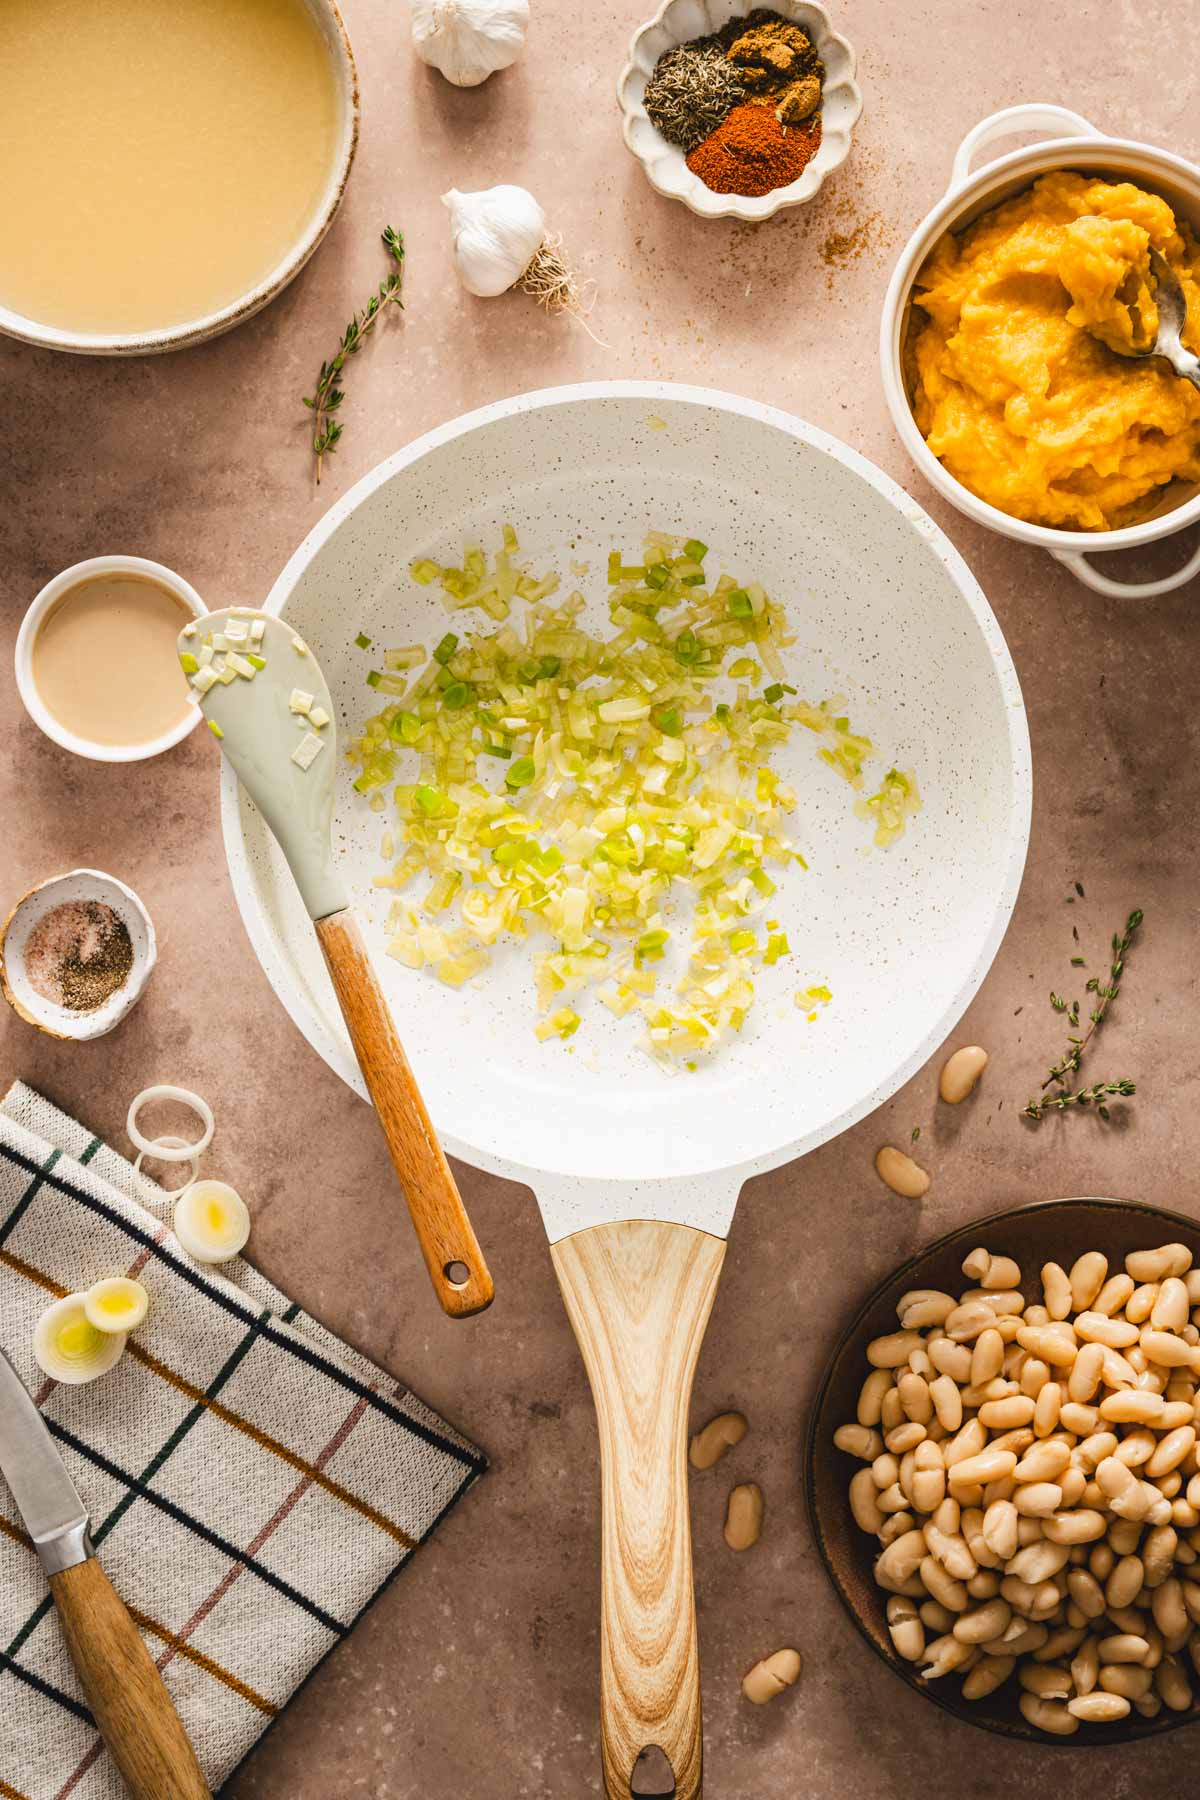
1104	996
1068	1065
329	393
1095	1095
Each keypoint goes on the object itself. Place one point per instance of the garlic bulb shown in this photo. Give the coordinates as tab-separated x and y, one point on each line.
497	234
468	40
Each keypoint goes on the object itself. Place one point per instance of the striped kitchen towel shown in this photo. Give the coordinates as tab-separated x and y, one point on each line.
253	1484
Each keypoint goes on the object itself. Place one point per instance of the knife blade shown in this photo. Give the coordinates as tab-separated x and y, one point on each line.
55	1517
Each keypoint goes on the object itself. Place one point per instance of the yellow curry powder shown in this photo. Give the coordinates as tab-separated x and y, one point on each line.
1013	383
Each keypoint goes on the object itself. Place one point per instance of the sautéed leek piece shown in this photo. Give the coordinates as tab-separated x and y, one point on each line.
573	787
160	157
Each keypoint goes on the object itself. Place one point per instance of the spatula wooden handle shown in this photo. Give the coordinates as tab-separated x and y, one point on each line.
132	1708
452	1254
639	1295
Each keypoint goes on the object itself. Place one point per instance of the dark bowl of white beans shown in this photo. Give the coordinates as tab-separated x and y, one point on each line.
1002	1471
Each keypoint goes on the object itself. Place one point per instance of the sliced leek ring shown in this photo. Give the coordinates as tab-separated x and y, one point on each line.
211	1221
161	1148
116	1305
170	1143
68	1347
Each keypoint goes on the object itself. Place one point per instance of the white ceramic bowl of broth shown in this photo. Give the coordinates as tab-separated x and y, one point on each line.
183	162
106	687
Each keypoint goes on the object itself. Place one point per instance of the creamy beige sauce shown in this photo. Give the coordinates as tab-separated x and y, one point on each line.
106	660
158	158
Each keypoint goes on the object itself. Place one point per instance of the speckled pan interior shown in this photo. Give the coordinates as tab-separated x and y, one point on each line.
884	612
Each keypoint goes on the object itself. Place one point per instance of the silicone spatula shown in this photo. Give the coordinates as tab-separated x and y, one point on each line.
268	705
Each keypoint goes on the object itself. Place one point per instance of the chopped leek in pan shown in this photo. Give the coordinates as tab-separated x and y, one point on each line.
563	786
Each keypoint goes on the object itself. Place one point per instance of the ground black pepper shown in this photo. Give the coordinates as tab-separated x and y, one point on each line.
79	954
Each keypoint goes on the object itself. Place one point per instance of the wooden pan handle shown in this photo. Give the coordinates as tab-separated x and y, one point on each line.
451	1251
132	1709
638	1296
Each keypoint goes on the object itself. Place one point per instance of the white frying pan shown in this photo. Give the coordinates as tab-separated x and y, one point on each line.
637	1174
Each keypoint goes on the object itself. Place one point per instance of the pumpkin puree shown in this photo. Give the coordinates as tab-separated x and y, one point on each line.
1013	383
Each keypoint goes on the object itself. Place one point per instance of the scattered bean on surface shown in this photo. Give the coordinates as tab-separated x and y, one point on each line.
770	1676
960	1072
1031	1472
744	1516
718	1436
901	1173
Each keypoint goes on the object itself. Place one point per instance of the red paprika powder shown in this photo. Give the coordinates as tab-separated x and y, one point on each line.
750	152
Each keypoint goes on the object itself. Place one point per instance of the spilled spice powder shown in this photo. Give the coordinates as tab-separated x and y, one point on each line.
752	153
78	955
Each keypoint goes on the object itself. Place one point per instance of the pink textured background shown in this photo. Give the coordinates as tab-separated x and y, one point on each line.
476	1674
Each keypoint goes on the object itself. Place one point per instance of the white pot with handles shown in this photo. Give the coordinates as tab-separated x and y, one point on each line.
1076	144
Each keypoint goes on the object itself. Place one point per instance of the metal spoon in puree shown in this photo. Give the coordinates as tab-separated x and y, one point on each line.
1172	318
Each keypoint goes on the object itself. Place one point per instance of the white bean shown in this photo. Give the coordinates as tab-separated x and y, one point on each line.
1088	1274
947	1401
1047	1409
1098	1709
1153	1265
1038	1499
1051	1346
1113	1295
960	1072
1085	1666
905	1628
1140	1303
1171	1451
1169	1351
901	1173
1048	1715
1172	1684
870	1399
1132	1406
1125	1647
1044	1461
1171	1307
967	1321
858	1440
914	1397
1125	1582
989	1673
1084	1525
1086	1372
921	1307
1095	1328
892	1350
901	1559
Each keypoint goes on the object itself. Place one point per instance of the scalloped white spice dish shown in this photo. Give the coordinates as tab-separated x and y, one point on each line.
678	22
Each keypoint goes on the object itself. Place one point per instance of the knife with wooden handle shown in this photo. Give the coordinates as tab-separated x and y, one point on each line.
132	1708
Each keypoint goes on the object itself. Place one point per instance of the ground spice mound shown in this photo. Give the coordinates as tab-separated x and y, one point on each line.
78	955
752	153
